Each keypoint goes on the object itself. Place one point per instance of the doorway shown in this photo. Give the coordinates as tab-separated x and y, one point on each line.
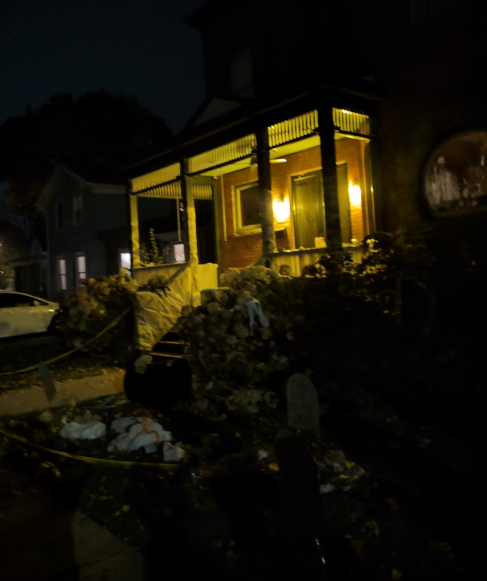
308	209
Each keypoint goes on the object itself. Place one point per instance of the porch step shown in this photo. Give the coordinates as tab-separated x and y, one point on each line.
172	347
167	355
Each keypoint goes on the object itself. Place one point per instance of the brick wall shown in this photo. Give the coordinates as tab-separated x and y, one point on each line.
241	250
352	152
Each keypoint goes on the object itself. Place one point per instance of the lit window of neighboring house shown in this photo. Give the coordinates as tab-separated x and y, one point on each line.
179	255
80	267
60	216
61	268
78	210
125	260
247	207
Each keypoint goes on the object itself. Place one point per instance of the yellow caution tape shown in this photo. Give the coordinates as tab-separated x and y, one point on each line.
90	460
64	355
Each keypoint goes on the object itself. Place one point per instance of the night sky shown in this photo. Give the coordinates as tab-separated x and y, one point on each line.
141	48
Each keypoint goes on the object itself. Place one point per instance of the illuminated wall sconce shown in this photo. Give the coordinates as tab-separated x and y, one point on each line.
355	195
282	209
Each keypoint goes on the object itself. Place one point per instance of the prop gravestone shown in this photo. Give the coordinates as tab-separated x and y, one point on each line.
47	381
302	403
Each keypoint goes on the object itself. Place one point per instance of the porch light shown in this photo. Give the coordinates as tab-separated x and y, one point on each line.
355	195
282	209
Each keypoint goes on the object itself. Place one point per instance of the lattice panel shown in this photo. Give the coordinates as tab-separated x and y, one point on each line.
349	122
202	191
157	178
169	191
238	149
291	129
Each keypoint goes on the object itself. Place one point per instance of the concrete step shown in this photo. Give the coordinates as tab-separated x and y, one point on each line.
167	355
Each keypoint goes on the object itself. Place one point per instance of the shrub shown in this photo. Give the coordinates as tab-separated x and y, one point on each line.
96	303
337	317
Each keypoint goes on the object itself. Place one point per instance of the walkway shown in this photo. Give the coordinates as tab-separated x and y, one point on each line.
20	402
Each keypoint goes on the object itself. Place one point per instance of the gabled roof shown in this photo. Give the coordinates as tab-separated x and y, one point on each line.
61	174
215	108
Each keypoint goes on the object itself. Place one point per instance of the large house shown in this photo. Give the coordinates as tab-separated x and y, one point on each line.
323	123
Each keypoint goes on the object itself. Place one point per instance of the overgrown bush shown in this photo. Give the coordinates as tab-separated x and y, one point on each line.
337	317
97	302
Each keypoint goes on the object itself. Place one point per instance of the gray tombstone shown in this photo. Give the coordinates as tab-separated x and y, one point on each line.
302	403
47	381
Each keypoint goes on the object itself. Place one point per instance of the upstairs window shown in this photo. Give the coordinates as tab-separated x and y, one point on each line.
424	9
247	207
241	77
78	210
60	216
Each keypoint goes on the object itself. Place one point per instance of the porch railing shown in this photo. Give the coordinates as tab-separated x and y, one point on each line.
295	260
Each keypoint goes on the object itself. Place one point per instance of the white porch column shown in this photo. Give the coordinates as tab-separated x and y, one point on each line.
134	225
265	195
189	219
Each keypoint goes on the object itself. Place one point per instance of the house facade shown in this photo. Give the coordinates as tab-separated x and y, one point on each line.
31	271
88	229
312	137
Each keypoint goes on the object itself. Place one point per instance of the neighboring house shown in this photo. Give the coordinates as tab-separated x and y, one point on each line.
31	271
322	125
88	231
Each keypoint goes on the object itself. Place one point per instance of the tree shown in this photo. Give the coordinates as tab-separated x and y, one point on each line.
96	135
13	244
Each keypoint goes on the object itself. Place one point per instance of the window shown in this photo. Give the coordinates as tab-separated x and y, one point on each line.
61	268
179	255
80	267
125	260
78	210
241	73
13	300
60	216
247	207
456	175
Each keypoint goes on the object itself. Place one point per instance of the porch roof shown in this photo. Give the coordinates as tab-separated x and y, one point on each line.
236	122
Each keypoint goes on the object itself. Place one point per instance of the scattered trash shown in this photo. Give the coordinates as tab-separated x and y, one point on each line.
83	431
325	488
143	432
46	417
173	453
121	424
261	455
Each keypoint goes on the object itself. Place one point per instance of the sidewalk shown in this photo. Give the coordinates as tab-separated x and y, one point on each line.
20	402
47	538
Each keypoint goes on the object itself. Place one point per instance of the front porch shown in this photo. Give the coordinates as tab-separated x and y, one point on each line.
279	196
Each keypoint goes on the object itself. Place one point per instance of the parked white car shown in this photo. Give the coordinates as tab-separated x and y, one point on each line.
22	314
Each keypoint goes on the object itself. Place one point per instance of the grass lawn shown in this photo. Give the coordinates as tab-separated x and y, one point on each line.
20	352
398	500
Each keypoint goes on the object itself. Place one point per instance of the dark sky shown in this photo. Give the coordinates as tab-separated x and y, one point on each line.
136	47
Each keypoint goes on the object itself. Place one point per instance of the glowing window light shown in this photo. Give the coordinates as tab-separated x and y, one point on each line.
282	209
355	195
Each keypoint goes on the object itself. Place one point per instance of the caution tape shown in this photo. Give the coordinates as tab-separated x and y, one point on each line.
67	354
91	460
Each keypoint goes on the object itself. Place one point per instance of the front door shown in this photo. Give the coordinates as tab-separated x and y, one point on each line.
308	209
